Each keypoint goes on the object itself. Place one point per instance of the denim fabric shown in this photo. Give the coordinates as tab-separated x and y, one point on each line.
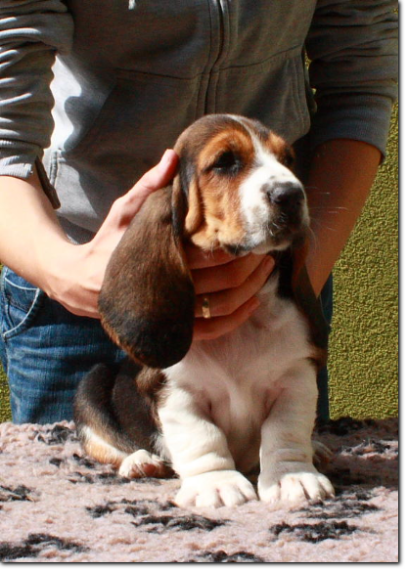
45	351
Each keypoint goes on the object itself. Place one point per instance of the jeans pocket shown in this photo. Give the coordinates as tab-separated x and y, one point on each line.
20	303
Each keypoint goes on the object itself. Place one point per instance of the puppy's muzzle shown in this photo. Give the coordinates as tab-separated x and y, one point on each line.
289	213
289	196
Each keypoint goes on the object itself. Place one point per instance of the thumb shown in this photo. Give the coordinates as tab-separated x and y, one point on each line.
126	207
158	177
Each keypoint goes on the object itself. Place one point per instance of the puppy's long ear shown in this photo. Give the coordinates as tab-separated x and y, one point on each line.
309	304
147	299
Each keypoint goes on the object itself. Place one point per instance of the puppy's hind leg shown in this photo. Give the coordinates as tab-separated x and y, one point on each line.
96	425
103	429
142	464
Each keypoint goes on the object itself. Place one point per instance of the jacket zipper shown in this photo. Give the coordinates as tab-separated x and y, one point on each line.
221	14
222	31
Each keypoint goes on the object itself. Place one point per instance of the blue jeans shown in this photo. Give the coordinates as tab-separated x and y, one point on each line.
46	351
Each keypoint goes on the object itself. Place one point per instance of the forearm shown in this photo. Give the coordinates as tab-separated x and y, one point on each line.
341	176
30	234
33	243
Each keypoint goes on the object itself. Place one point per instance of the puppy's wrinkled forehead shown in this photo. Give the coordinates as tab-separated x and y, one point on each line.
212	135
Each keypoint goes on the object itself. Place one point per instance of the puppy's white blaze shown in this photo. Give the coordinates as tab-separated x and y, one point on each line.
255	206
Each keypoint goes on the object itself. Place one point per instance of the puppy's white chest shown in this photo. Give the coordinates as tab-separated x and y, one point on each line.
236	379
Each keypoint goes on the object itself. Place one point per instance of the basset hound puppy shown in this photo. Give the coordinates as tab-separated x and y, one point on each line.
214	412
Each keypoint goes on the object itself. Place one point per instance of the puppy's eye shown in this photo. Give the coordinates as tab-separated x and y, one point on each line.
227	163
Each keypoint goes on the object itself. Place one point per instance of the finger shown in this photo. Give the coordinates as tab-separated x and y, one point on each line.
207	329
84	312
158	177
198	259
228	301
226	276
85	309
126	207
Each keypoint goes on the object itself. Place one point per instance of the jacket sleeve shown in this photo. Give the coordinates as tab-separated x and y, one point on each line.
352	45
31	32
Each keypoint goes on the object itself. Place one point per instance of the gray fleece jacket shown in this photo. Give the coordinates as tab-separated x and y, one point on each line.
93	91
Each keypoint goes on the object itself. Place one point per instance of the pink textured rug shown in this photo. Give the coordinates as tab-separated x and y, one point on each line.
57	506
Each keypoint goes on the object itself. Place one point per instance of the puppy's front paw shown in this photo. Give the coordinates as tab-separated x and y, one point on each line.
215	489
296	488
143	464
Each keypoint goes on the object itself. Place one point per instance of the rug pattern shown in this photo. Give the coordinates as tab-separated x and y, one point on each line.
56	505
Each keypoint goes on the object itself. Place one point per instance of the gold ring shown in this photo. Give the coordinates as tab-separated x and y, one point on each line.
206	310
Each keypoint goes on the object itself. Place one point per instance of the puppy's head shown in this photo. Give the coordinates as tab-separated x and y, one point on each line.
242	194
235	191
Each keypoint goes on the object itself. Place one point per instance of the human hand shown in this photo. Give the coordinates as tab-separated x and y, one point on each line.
230	286
77	271
229	283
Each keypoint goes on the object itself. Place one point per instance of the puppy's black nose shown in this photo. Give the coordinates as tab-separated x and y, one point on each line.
287	195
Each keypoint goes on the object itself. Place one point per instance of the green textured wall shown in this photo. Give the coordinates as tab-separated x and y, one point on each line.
364	343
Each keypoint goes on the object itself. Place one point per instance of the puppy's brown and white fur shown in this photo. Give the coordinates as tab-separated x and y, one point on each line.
212	410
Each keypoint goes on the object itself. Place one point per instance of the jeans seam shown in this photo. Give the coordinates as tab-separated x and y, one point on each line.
19	287
15	330
2	300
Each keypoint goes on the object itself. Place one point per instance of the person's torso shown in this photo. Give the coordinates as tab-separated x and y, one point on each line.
140	72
